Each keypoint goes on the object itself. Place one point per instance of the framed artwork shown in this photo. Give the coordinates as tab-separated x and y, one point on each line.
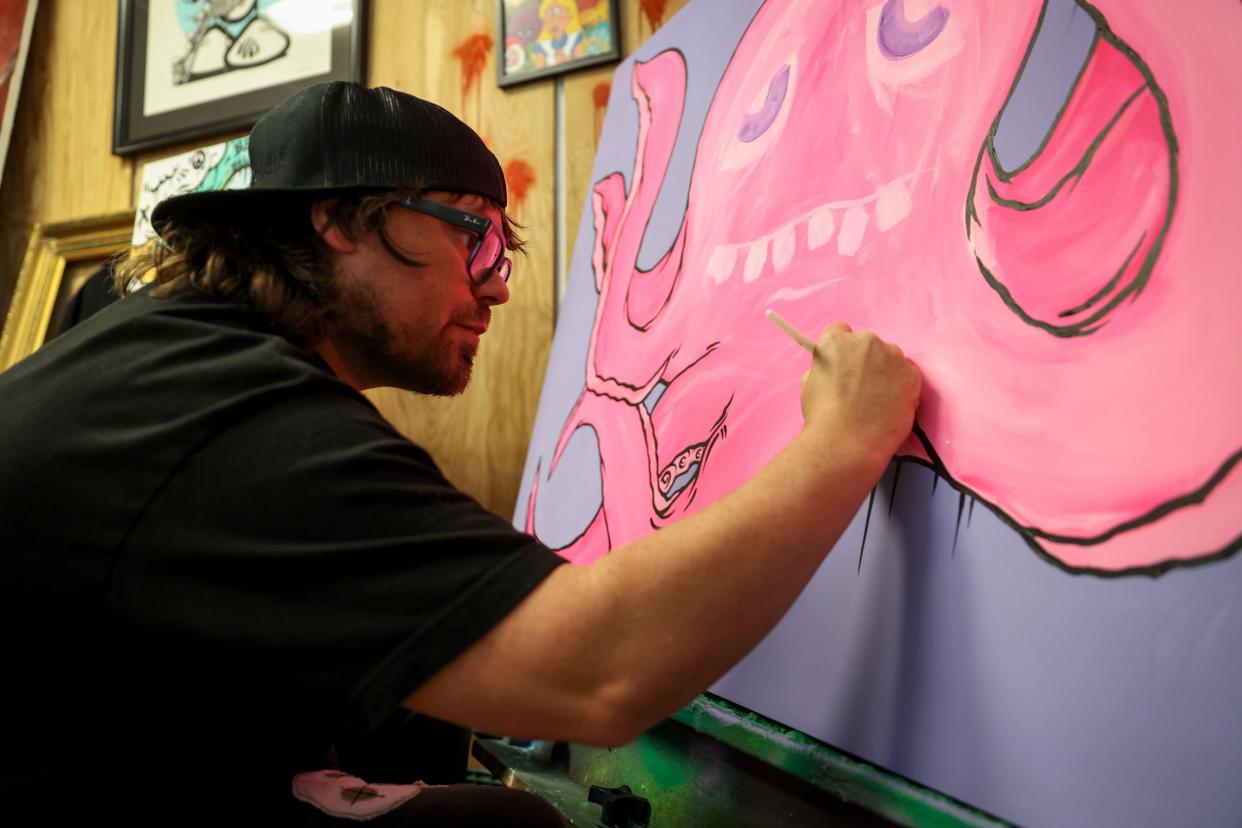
221	166
190	68
16	22
59	259
539	38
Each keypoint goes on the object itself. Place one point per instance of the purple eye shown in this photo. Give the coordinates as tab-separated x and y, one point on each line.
900	38
756	124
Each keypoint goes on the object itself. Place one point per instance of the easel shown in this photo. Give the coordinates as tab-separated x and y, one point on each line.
716	764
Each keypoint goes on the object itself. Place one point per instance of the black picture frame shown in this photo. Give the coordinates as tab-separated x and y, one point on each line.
515	30
134	131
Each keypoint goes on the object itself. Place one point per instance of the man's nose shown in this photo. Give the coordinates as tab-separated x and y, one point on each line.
492	291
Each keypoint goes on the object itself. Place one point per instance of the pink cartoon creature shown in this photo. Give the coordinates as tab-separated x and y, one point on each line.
1073	302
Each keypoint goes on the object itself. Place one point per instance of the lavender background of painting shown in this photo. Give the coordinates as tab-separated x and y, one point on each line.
975	667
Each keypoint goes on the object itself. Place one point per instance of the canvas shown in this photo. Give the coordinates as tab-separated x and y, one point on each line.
1036	610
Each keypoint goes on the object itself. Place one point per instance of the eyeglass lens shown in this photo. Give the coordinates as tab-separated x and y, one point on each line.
487	256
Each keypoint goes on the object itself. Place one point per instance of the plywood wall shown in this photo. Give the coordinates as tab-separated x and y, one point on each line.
60	167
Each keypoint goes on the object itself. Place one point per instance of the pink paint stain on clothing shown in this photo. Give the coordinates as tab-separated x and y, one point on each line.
1076	320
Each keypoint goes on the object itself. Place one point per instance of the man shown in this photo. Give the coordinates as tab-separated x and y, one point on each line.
224	571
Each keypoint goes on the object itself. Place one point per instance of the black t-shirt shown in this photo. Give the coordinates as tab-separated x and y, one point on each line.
217	560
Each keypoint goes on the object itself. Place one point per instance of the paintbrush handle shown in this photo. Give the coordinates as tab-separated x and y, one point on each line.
793	332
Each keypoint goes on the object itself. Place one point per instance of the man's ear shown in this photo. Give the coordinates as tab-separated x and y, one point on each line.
329	230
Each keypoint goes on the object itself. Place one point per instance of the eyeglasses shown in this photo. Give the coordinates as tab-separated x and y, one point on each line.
487	256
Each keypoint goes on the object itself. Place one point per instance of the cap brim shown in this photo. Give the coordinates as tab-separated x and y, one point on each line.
214	206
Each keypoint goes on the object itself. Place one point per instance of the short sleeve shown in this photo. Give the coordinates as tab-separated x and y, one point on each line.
313	561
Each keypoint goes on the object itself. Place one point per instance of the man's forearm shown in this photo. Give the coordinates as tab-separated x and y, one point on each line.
599	653
687	602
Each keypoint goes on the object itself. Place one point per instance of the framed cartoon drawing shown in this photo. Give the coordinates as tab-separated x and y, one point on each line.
191	68
220	166
539	38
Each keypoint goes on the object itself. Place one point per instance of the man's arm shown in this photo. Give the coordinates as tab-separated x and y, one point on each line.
599	653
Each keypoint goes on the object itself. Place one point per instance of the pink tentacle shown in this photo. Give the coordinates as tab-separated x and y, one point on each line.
659	87
607	205
621	429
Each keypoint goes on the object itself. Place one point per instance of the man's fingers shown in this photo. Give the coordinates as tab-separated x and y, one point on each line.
835	327
827	334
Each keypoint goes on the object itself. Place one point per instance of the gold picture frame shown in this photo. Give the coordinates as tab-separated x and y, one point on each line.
75	247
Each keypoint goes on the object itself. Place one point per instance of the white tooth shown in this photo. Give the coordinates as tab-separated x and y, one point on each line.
819	228
852	227
892	205
783	247
755	258
720	265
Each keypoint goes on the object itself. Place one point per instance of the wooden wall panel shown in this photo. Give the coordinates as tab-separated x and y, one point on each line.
444	50
586	101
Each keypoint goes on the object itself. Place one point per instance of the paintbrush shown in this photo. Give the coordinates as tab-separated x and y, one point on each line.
793	332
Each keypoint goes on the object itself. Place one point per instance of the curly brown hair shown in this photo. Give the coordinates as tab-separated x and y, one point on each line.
273	259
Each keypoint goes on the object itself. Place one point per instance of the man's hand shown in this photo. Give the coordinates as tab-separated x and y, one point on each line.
860	389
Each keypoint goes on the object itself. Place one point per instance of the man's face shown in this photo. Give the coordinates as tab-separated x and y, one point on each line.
415	327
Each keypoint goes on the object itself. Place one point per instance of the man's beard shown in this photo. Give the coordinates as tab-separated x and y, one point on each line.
441	368
444	373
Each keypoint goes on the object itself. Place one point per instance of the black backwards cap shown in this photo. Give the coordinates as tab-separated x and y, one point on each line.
337	137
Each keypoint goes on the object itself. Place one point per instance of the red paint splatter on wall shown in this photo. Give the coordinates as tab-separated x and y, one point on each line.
653	11
520	176
472	54
599	96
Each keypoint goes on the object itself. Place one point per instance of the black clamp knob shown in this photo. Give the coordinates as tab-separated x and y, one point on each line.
622	809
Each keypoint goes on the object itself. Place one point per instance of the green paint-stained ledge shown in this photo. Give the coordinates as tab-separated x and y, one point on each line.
840	774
